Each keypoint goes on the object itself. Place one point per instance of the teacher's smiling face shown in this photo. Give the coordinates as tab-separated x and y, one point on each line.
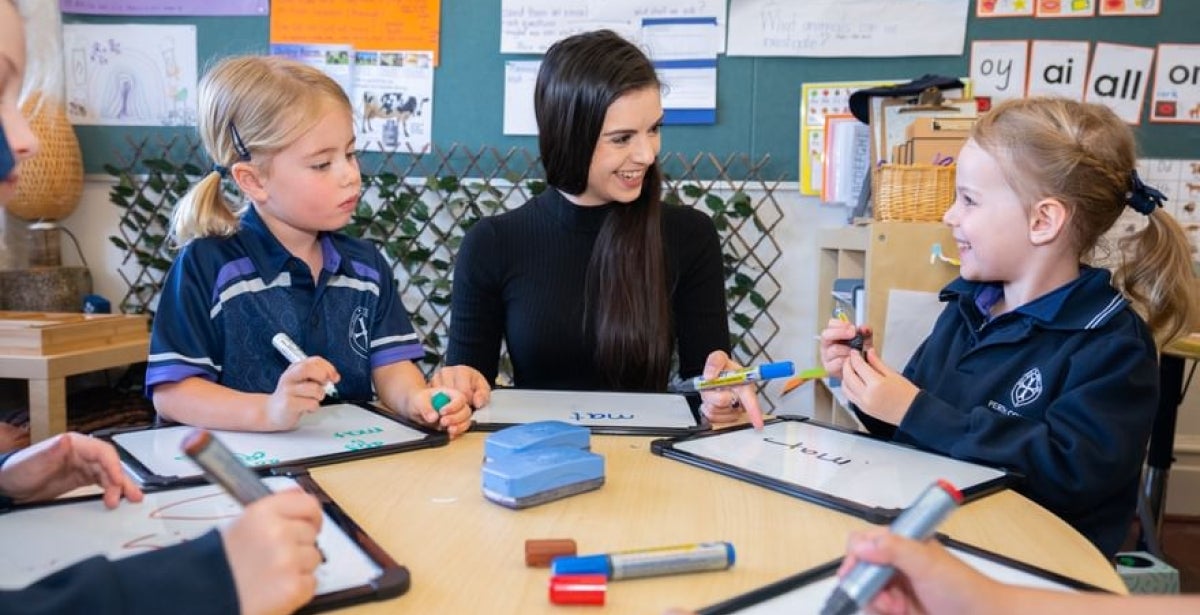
19	138
628	145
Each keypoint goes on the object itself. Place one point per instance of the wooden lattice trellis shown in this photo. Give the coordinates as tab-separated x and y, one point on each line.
417	209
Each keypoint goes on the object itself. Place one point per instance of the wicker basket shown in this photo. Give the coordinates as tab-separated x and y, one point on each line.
52	181
912	193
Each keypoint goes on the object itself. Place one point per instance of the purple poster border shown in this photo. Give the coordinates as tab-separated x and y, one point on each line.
166	7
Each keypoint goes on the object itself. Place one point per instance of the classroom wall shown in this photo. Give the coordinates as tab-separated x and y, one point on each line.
758	99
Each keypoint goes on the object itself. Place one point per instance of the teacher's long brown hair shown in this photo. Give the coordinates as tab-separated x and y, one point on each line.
626	303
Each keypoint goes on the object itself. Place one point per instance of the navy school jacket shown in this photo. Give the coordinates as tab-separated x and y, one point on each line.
1062	390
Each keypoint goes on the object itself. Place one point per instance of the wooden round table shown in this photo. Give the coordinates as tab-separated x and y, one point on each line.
466	554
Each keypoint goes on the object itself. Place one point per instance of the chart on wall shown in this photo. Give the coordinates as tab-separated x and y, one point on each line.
130	75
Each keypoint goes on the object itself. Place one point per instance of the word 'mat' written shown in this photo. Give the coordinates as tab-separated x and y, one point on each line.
354	433
601	416
804	450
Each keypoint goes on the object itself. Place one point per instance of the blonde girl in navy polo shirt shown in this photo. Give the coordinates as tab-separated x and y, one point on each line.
1040	363
283	132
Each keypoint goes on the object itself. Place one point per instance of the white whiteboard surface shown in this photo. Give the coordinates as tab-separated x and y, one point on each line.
865	471
332	429
588	408
810	597
38	541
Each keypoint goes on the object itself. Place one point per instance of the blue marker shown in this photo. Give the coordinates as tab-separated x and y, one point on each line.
735	377
678	559
917	522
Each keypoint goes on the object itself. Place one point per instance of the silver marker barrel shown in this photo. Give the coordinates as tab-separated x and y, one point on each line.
917	522
222	468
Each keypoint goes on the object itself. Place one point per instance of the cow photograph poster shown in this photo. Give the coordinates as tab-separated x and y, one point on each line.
392	92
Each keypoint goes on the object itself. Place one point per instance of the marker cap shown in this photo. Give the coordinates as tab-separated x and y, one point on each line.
578	589
783	369
951	490
540	552
582	564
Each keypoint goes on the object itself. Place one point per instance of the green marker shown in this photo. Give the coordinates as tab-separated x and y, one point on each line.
440	399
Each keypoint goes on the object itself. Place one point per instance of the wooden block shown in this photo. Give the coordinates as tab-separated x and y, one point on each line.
50	333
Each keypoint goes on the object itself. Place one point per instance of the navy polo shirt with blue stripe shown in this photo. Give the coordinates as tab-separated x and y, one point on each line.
224	298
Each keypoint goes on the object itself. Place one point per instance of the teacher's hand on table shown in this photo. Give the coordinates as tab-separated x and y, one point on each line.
272	552
727	405
55	466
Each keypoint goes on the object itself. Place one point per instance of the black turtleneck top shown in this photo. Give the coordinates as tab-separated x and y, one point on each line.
519	278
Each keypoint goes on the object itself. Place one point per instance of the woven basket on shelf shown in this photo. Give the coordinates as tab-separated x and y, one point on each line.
52	181
912	193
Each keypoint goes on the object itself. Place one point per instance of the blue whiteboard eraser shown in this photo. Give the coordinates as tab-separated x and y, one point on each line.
536	435
529	478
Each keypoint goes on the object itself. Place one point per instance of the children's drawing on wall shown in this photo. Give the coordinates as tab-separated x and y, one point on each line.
393	100
131	75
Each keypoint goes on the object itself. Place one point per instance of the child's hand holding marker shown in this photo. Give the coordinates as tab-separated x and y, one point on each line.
838	340
294	355
450	411
301	387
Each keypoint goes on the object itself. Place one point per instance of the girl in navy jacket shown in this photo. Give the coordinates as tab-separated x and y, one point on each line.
1040	363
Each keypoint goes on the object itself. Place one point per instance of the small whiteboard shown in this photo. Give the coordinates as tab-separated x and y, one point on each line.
805	593
646	414
333	433
846	471
42	538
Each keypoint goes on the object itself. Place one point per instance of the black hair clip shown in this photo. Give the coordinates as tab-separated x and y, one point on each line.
239	145
1142	198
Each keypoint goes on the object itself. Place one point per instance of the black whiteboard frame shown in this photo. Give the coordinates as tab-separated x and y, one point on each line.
149	481
874	514
820	572
394	579
702	425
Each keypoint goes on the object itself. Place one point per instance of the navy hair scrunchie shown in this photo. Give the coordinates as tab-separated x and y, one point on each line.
1142	198
220	170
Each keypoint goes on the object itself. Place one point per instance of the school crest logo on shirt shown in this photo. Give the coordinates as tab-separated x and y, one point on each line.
1028	388
360	337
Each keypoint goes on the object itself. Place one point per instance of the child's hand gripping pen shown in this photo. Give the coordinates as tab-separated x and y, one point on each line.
735	377
918	522
856	342
293	354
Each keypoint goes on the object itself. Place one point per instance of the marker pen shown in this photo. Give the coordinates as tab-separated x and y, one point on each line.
222	468
734	377
917	522
649	562
293	354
